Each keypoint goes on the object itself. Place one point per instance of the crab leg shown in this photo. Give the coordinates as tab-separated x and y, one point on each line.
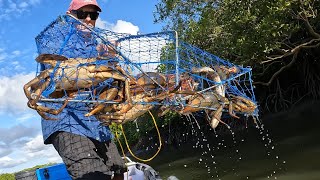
42	110
216	115
37	94
42	75
231	113
110	74
134	112
108	95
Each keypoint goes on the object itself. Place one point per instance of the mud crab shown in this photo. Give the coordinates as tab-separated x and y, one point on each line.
69	74
146	84
214	97
241	104
122	113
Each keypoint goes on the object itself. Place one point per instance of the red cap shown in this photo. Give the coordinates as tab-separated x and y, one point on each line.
77	4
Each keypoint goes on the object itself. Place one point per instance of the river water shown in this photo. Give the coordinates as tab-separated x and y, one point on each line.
285	147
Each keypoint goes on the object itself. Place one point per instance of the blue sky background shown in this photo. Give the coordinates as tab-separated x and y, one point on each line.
21	143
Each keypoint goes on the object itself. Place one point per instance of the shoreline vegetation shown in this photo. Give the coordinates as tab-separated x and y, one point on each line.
10	176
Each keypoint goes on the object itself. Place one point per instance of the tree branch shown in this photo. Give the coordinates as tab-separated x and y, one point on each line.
293	51
294	58
310	29
267	67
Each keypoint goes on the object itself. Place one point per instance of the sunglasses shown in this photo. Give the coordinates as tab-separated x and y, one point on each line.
83	14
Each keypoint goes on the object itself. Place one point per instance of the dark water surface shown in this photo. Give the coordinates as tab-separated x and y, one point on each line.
287	148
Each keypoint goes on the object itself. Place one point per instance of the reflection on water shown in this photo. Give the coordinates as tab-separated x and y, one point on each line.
287	147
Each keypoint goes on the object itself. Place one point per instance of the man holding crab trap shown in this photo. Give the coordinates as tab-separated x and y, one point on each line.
85	80
66	48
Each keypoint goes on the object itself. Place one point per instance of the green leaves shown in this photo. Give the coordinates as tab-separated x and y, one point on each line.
245	31
7	176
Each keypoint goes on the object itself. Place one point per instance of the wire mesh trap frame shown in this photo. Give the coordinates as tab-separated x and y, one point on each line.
161	70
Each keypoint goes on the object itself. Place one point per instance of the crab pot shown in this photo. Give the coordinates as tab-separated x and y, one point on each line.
151	57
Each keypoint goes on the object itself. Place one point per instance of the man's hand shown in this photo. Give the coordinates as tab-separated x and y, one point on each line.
106	51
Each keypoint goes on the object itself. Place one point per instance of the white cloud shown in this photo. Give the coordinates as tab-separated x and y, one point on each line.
7	162
45	151
16	133
12	9
120	27
8	56
125	27
102	24
12	5
36	148
26	154
23	5
13	99
16	53
3	55
26	116
34	2
35	144
16	61
4	150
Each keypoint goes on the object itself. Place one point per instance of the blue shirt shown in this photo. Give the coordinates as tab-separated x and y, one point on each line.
63	38
72	120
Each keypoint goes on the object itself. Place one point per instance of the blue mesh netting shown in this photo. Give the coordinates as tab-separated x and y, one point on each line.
158	70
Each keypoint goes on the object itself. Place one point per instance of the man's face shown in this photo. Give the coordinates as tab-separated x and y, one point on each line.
87	14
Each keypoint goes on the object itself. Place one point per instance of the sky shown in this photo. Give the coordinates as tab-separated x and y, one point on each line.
21	142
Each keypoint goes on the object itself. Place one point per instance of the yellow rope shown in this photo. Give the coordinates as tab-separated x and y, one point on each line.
124	155
159	136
